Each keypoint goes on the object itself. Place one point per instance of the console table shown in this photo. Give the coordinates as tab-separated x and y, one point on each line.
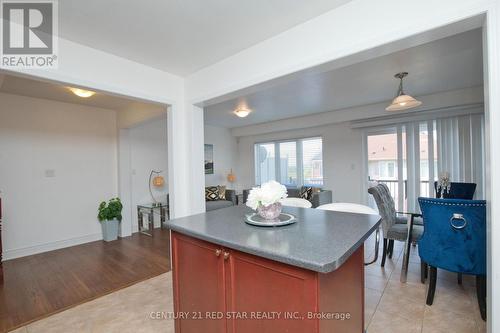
151	209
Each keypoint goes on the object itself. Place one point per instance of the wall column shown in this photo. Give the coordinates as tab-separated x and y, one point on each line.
125	181
491	53
186	178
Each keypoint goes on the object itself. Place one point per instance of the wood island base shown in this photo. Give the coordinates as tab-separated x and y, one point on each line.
218	289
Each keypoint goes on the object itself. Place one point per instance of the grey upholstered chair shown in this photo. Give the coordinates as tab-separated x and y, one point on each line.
395	227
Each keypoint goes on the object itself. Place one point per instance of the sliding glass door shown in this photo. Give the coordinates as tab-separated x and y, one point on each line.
386	162
408	157
404	157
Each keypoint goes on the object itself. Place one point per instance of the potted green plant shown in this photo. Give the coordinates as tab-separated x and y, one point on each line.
110	214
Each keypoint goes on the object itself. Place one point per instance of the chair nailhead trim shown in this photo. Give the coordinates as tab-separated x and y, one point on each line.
454	204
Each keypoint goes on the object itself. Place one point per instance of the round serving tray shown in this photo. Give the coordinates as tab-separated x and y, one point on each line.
282	220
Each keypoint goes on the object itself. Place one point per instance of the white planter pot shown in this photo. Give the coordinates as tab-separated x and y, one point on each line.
110	230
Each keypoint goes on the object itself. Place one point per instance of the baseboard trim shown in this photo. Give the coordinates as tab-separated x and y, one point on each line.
30	250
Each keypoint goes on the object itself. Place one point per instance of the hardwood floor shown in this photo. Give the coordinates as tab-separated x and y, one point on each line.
40	285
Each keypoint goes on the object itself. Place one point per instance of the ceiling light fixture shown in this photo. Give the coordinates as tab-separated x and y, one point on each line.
402	101
242	112
82	92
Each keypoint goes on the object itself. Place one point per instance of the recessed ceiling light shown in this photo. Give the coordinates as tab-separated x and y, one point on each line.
242	112
402	101
82	92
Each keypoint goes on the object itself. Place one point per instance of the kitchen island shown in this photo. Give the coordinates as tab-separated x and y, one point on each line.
306	277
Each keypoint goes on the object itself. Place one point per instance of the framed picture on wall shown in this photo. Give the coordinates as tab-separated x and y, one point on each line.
209	159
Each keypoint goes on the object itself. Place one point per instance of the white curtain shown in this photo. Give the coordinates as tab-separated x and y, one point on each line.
426	148
459	142
460	149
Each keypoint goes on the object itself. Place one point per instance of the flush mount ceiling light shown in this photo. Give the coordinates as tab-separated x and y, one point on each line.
402	101
81	92
242	112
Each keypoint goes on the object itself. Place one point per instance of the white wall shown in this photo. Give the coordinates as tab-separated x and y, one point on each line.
133	115
342	158
148	151
79	144
138	113
225	152
80	65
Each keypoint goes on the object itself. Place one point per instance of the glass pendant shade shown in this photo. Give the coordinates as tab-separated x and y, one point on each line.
242	112
403	102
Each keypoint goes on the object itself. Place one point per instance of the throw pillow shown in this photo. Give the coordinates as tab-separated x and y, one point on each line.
212	193
306	192
222	192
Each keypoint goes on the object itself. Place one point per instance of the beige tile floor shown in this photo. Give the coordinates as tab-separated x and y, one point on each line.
390	305
124	311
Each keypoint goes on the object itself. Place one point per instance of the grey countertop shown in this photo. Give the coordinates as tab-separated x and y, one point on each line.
320	240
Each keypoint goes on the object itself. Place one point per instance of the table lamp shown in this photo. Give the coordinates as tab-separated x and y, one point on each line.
231	177
157	181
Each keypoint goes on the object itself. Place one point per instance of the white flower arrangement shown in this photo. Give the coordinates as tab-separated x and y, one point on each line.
268	194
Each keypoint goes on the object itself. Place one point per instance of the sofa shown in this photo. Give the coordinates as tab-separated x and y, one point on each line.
218	204
319	197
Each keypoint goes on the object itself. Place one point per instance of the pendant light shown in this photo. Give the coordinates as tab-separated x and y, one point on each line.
242	112
402	101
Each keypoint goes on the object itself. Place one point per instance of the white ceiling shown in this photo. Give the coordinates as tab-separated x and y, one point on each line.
447	64
181	36
57	92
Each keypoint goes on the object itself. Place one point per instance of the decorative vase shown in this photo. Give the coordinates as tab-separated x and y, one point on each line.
271	211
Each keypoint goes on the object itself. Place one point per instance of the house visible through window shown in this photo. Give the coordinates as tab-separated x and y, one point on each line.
292	162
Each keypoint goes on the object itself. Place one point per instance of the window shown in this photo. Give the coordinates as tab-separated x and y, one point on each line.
312	151
265	169
288	163
293	162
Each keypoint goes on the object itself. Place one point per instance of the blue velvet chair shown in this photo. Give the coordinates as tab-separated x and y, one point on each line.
457	191
454	239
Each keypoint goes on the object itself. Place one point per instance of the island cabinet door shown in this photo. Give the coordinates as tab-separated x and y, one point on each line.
198	276
267	297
